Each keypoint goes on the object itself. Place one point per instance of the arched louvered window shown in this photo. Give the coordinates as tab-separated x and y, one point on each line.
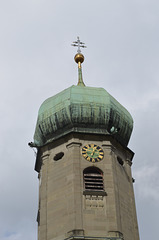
93	179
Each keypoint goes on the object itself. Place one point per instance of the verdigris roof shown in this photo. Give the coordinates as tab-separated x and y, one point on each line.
84	110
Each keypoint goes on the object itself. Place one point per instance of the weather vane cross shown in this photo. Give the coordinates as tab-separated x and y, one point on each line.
78	44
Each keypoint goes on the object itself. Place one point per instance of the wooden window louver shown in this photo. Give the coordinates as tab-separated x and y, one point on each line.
93	179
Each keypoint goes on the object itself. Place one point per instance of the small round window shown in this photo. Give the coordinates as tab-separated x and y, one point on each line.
58	156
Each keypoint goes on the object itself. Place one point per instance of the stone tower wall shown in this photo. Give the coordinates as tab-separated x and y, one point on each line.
66	210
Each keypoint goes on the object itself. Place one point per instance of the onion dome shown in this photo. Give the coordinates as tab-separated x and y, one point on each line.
82	109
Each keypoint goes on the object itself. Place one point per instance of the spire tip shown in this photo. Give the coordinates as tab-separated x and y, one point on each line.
79	58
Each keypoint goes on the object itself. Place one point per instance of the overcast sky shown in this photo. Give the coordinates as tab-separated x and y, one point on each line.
36	62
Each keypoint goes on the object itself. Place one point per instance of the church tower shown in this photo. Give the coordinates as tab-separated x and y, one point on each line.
84	165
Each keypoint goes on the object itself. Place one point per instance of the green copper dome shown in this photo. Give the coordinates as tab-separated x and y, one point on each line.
83	110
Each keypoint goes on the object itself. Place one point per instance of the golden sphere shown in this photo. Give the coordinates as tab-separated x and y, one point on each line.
79	58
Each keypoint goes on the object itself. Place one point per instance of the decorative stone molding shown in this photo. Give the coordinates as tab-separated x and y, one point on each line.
72	144
75	232
128	162
94	201
45	156
93	238
115	234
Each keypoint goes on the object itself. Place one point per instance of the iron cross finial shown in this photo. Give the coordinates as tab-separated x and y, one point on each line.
78	44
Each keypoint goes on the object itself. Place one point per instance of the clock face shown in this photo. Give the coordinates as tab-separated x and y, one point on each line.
92	153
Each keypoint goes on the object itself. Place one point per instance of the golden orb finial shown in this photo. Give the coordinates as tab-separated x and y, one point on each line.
79	58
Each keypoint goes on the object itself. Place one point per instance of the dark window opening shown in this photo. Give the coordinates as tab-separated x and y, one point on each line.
58	156
93	179
120	161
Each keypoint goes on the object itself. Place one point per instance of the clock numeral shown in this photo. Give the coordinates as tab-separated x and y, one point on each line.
84	153
102	154
84	148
